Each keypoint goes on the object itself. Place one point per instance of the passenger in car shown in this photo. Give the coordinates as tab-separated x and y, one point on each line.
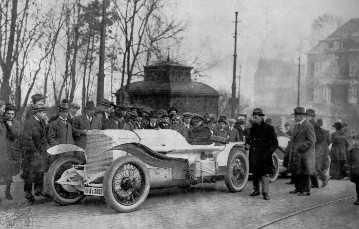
200	134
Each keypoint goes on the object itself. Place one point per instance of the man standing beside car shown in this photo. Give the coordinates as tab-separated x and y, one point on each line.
262	143
301	151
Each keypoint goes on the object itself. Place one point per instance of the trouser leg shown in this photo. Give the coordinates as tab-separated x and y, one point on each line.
305	182
256	179
265	183
314	180
8	187
28	184
297	183
39	182
357	188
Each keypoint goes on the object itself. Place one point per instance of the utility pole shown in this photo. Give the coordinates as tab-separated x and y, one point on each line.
234	100
101	72
298	96
239	88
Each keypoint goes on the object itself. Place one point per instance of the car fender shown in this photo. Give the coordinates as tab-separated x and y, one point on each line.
63	148
222	157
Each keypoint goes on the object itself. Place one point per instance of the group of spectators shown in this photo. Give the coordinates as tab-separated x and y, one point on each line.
307	155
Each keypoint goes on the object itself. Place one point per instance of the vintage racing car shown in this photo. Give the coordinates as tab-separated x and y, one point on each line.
124	165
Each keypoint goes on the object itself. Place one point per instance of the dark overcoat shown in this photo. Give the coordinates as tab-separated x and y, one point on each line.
240	131
233	135
13	156
82	123
322	152
301	149
353	162
33	146
60	133
200	135
263	142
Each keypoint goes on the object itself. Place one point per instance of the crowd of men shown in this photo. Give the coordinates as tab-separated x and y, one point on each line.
307	155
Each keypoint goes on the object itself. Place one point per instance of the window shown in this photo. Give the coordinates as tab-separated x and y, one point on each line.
322	94
353	67
317	67
353	94
330	44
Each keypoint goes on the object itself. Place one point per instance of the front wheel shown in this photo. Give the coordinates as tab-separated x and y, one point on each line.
63	194
126	184
274	175
237	170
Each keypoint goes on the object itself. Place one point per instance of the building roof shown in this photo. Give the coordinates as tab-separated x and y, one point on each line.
179	88
349	29
167	63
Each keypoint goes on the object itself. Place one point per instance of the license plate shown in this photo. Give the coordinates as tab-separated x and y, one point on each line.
93	191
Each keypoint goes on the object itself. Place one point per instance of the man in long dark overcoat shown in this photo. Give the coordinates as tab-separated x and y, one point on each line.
33	142
301	152
262	143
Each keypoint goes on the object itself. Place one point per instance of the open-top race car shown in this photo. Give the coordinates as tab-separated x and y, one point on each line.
124	165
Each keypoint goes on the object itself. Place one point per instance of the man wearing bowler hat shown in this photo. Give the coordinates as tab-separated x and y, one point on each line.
262	142
301	153
33	143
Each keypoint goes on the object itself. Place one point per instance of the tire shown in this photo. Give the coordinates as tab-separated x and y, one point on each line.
237	170
274	176
130	192
57	191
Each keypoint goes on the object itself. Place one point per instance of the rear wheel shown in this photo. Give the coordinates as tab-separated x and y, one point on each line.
126	184
274	175
237	170
63	194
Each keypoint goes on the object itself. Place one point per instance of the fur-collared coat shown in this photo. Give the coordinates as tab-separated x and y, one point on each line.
33	146
200	135
60	133
263	142
301	149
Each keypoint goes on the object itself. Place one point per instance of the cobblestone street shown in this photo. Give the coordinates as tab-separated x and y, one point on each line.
204	206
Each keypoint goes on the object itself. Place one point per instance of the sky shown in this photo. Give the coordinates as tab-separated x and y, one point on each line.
267	29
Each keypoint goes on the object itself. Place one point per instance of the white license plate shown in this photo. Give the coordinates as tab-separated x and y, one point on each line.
93	191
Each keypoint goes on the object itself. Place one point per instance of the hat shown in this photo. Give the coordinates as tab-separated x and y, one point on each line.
2	103
286	124
112	104
133	114
39	107
241	121
258	111
320	122
188	114
231	120
160	112
64	107
222	119
144	113
310	112
9	107
299	111
195	115
65	101
37	97
338	123
104	102
172	109
90	105
164	115
75	105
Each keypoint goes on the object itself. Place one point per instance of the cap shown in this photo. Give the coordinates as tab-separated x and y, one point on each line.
64	107
188	114
75	105
104	102
258	111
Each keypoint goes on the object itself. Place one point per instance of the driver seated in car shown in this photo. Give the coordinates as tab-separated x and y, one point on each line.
200	134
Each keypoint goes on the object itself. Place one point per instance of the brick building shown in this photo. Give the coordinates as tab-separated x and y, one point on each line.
332	76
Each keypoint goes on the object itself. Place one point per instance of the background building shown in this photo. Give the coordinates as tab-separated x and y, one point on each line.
275	88
168	84
332	76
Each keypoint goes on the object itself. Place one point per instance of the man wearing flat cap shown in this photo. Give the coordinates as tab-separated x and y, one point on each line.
60	130
200	134
105	106
301	153
73	108
221	131
319	136
262	142
33	144
172	111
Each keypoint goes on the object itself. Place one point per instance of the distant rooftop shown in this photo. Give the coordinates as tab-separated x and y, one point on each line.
349	29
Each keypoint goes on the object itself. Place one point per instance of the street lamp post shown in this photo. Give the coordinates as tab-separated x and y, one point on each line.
298	96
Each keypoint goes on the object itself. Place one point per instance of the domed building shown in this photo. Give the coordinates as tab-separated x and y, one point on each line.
168	84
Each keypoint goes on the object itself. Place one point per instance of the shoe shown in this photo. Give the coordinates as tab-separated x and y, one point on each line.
290	182
266	196
8	196
30	197
294	191
42	194
356	202
314	186
304	194
255	193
